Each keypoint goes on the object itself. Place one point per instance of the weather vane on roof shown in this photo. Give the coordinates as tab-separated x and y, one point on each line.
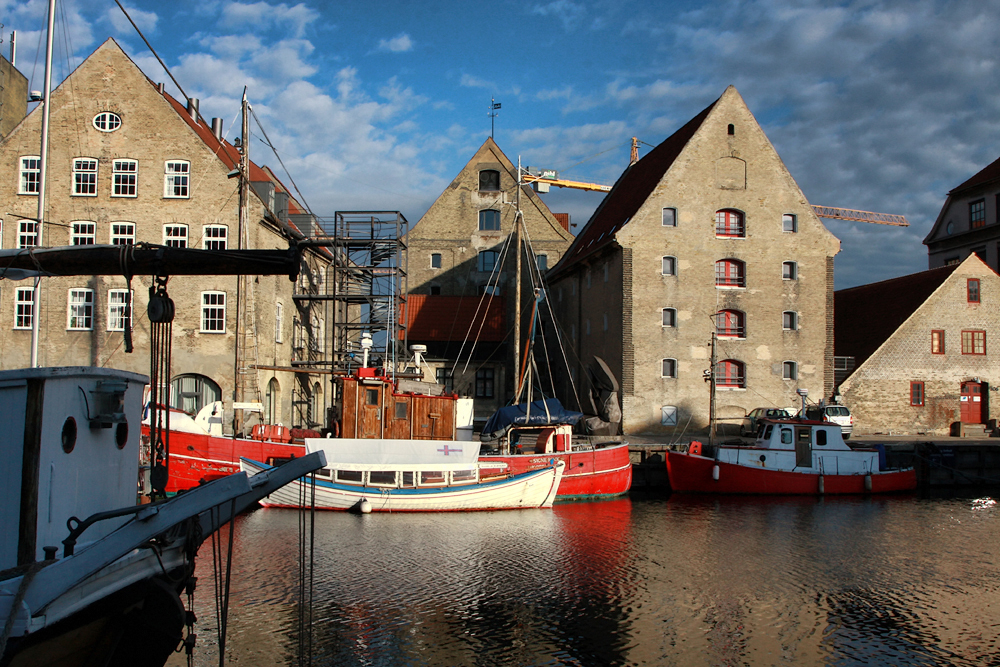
493	113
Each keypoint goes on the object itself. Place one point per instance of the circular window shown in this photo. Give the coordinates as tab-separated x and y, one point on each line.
69	435
951	228
107	121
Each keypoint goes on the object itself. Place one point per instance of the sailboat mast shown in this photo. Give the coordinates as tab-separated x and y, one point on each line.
243	215
517	278
711	406
36	299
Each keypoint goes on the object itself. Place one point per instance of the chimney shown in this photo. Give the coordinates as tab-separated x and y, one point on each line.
160	88
193	107
217	128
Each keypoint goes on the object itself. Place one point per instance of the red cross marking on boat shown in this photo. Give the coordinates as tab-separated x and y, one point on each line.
446	450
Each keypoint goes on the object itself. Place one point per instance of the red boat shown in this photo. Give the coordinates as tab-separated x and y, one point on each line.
794	457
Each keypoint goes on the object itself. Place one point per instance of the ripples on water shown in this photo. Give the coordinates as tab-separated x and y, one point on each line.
684	581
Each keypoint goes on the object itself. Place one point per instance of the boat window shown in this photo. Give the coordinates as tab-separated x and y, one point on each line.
432	478
820	437
371	396
350	476
767	431
462	476
400	409
786	436
382	478
407	479
325	473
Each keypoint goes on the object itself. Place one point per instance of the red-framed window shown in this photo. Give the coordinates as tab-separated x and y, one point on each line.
973	342
729	222
937	341
730	323
972	288
730	373
730	273
977	214
917	393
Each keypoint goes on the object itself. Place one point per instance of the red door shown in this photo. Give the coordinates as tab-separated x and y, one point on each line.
972	403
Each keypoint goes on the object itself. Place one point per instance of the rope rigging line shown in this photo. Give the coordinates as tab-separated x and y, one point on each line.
275	150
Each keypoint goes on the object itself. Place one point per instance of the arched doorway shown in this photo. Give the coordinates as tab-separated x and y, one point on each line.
191	392
272	402
316	406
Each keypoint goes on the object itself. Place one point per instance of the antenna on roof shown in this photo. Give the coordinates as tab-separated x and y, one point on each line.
493	113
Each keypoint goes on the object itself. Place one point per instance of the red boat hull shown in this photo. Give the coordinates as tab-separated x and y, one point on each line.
600	473
690	473
196	458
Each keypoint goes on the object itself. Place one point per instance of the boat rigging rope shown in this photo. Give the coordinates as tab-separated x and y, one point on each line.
161	316
307	533
222	576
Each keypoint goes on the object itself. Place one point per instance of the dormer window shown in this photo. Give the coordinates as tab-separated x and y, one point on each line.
489	180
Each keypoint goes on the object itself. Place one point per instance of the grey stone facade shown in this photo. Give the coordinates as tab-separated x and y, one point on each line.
969	222
146	134
633	260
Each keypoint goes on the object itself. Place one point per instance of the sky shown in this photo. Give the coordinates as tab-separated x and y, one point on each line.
879	105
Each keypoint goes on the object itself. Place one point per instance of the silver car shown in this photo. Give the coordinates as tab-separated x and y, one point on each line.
748	427
838	414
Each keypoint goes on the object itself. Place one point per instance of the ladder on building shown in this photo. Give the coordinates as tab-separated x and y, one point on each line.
247	375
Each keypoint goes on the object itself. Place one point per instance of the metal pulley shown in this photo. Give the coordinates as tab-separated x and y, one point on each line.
161	306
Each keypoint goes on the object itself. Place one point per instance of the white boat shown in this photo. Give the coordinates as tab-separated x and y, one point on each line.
414	476
69	439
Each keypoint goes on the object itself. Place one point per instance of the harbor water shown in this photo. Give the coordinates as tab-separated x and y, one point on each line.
664	581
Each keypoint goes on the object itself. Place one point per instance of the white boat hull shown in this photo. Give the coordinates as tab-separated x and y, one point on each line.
529	490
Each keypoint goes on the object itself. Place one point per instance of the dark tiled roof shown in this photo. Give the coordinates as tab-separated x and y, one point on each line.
631	190
987	174
865	316
440	318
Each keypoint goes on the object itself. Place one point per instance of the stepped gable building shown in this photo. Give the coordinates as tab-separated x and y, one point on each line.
457	251
707	232
969	222
129	164
922	349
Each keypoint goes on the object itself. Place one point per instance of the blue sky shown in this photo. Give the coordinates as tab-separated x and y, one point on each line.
881	105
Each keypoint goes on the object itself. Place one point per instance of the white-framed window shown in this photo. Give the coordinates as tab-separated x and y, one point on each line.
669	317
84	233
118	301
122	233
24	306
175	236
279	322
435	260
107	121
789	271
125	174
668	415
789	223
789	320
80	310
27	234
214	237
669	217
669	266
213	312
177	179
668	368
789	370
31	175
85	177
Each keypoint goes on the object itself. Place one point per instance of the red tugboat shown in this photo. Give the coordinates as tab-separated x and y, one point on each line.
794	457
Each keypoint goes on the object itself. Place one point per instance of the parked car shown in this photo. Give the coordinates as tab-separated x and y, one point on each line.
749	425
838	414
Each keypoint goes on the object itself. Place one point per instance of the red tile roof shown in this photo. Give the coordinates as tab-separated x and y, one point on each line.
865	316
630	192
449	318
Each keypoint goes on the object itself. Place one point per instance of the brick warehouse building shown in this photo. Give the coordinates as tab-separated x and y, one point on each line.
708	230
455	250
127	163
922	348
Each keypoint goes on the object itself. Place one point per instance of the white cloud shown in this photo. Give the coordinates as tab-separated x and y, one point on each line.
261	14
397	44
146	21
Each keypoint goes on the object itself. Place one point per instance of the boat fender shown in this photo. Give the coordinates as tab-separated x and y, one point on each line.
822	486
868	483
364	506
715	472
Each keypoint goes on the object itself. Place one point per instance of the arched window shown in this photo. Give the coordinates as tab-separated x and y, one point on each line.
789	320
669	267
789	370
668	368
789	271
192	392
272	402
316	405
730	273
730	324
489	179
669	317
489	220
729	222
730	373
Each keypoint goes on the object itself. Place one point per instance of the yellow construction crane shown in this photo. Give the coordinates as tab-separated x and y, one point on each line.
861	216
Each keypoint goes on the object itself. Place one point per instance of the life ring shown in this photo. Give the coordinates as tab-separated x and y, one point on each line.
336	428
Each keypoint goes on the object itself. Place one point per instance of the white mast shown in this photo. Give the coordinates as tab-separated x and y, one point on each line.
36	304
